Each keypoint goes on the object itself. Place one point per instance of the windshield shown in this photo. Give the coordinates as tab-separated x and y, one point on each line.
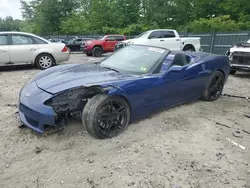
101	38
140	35
134	59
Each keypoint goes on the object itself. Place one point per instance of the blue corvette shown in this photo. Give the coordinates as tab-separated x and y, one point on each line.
131	84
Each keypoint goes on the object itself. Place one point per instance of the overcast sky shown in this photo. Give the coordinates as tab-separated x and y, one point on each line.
10	8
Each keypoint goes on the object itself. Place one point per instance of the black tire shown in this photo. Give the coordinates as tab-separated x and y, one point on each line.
232	71
89	54
97	51
44	61
91	116
214	86
189	48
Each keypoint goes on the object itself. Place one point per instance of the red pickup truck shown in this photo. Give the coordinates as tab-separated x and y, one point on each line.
102	45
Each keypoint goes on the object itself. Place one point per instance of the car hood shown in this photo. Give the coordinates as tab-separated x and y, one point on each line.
239	49
95	41
69	76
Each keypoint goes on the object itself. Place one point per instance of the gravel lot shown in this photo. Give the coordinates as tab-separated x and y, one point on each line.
187	146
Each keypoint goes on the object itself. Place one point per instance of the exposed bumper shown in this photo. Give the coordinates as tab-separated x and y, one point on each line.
32	112
240	67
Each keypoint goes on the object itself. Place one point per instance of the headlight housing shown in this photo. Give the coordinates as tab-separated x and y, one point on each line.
89	42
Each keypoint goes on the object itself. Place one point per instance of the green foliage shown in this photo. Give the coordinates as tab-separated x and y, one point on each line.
220	23
9	24
129	17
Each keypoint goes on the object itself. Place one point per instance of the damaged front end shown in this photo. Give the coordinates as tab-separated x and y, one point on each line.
70	103
240	61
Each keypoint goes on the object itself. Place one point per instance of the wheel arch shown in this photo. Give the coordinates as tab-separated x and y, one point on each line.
188	46
220	70
46	53
124	98
98	45
106	90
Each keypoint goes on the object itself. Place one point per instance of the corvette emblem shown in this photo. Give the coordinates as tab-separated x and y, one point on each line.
27	94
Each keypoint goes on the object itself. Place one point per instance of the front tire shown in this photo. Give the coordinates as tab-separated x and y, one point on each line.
44	61
97	51
214	86
106	116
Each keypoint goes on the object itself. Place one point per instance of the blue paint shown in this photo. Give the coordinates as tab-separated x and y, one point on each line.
145	93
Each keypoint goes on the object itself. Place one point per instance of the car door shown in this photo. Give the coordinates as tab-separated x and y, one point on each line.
4	50
170	41
154	39
179	83
109	44
23	49
187	80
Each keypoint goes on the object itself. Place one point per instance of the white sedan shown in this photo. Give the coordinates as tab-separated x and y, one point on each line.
17	48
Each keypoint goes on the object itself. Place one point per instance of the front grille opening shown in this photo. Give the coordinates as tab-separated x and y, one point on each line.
32	122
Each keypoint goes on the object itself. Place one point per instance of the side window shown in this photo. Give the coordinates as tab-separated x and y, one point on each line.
3	40
181	59
110	38
78	41
119	38
168	34
155	35
167	62
39	41
21	40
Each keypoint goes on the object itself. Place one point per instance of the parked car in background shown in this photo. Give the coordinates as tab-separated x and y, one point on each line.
239	57
17	48
75	45
57	41
165	38
102	45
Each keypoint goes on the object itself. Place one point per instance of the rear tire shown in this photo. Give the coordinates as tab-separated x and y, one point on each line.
97	51
44	61
106	116
214	86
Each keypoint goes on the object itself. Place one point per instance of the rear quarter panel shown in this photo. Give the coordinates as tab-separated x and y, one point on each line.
55	49
219	63
195	41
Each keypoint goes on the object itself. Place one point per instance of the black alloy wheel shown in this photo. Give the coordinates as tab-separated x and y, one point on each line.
214	87
105	116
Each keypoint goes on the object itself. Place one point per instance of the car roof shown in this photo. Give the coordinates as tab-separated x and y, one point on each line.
23	33
115	35
16	32
161	30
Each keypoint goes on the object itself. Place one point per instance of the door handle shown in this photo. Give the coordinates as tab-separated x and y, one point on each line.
3	50
161	40
33	49
177	39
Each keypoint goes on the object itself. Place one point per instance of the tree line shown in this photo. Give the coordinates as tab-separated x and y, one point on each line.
129	17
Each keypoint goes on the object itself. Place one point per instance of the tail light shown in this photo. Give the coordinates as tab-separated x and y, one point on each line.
65	49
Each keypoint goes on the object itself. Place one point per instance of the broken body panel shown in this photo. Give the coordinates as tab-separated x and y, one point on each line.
46	101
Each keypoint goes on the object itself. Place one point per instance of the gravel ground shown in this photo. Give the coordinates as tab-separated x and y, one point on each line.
187	146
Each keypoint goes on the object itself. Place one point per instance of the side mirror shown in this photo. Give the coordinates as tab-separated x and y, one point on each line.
175	68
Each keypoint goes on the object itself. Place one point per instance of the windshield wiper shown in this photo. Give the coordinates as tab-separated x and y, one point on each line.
110	68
